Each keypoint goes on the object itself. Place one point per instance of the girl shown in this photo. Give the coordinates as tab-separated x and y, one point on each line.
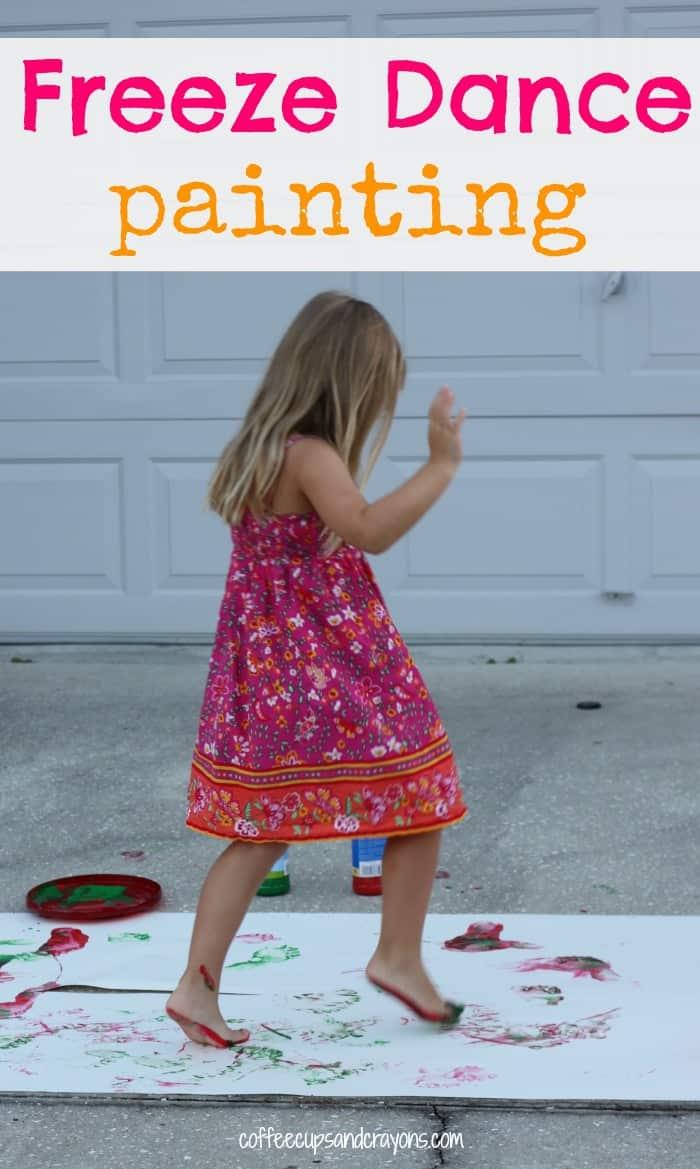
316	723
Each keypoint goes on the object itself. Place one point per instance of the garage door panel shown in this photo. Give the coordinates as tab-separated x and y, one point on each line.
554	527
65	516
507	521
523	518
325	18
187	539
524	544
485	322
40	18
241	26
662	20
665	510
672	341
551	343
57	325
120	543
508	20
213	323
652	343
67	29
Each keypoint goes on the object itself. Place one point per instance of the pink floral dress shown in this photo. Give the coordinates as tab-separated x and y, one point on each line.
316	723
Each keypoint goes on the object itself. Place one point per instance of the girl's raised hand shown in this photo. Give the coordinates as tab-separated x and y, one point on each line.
444	431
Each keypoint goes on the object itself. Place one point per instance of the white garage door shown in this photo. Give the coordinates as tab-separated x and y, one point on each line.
575	511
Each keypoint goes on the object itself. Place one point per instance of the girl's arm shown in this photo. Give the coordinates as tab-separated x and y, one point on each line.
374	527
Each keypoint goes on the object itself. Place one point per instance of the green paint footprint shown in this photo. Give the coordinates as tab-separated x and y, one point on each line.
267	956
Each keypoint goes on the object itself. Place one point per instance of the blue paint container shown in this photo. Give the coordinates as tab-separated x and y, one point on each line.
367	858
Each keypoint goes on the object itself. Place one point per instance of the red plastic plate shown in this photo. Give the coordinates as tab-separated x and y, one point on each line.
93	896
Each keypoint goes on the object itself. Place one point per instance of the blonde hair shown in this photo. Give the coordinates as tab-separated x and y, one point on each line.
335	374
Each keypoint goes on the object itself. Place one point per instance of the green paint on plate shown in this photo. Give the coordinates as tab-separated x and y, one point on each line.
96	893
48	893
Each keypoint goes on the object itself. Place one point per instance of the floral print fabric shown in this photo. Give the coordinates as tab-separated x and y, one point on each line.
316	722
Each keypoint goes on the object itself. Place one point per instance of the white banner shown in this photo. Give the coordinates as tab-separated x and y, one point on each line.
349	154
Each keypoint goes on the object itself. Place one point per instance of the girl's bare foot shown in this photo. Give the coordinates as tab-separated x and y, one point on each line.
409	977
193	1000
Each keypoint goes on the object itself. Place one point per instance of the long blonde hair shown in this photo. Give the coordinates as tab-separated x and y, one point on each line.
335	374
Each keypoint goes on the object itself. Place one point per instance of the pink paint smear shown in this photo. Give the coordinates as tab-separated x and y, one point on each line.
464	1075
580	967
485	935
23	1001
485	1026
63	940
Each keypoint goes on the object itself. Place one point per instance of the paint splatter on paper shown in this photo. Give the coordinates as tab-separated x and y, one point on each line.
338	1000
340	1029
580	967
63	940
461	1075
21	956
256	938
316	1026
484	935
551	995
129	938
265	957
23	1001
485	1026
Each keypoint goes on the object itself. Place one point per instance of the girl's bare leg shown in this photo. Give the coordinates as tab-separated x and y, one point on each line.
408	871
226	894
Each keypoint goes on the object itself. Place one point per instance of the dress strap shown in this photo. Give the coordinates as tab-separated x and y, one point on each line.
293	438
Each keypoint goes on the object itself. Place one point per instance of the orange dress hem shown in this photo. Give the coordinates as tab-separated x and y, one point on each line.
383	832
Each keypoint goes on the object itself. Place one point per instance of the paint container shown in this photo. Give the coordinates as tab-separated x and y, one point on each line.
367	865
277	880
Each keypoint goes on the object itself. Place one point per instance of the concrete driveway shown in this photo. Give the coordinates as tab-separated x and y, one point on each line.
572	810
